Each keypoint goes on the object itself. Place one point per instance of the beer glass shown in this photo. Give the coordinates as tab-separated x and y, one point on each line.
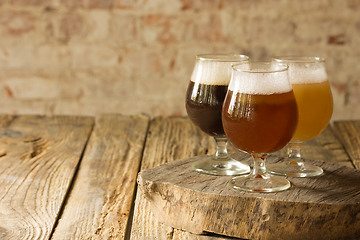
260	117
314	99
204	99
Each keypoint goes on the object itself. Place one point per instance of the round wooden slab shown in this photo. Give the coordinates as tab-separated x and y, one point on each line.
323	207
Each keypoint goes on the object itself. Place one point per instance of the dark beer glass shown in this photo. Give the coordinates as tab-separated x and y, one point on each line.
204	99
260	117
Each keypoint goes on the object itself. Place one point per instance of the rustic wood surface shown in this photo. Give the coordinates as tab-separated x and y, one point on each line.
168	139
39	156
63	177
349	132
100	200
312	208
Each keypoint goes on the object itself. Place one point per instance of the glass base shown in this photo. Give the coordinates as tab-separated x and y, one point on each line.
223	167
294	168
260	183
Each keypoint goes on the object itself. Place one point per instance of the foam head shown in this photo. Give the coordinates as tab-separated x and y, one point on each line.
304	70
262	78
215	69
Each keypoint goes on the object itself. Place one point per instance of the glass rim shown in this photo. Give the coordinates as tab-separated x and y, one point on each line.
284	68
298	59
222	57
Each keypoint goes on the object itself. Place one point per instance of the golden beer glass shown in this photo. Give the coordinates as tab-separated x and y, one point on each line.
204	99
315	103
260	117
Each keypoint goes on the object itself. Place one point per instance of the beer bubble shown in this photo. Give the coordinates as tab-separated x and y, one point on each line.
212	72
260	81
306	73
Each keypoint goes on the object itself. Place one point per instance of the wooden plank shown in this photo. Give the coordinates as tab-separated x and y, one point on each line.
349	132
39	157
312	208
168	139
100	200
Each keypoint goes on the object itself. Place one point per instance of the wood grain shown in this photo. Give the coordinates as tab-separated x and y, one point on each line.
100	201
349	132
168	139
39	156
312	208
35	179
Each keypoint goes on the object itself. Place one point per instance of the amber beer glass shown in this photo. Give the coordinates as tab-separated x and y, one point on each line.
204	99
260	117
314	99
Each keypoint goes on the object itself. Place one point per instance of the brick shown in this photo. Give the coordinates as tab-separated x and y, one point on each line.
277	8
340	88
165	29
30	88
269	31
142	62
98	25
200	4
337	62
16	23
17	56
336	30
37	3
48	56
48	27
240	4
88	4
151	6
308	35
96	84
353	5
123	27
309	6
103	4
234	26
129	4
354	93
163	106
209	28
338	39
355	34
87	108
161	6
94	107
65	26
258	53
93	56
71	25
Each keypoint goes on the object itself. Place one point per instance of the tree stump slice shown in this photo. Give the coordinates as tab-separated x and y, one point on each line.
323	207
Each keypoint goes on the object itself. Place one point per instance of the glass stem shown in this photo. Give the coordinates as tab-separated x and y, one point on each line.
294	150
221	149
259	168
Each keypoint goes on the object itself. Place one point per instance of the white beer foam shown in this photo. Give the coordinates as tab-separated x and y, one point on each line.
212	72
306	73
260	82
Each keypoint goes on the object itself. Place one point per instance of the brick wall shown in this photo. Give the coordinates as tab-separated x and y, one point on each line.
89	57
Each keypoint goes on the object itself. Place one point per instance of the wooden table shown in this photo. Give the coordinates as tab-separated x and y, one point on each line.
70	177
